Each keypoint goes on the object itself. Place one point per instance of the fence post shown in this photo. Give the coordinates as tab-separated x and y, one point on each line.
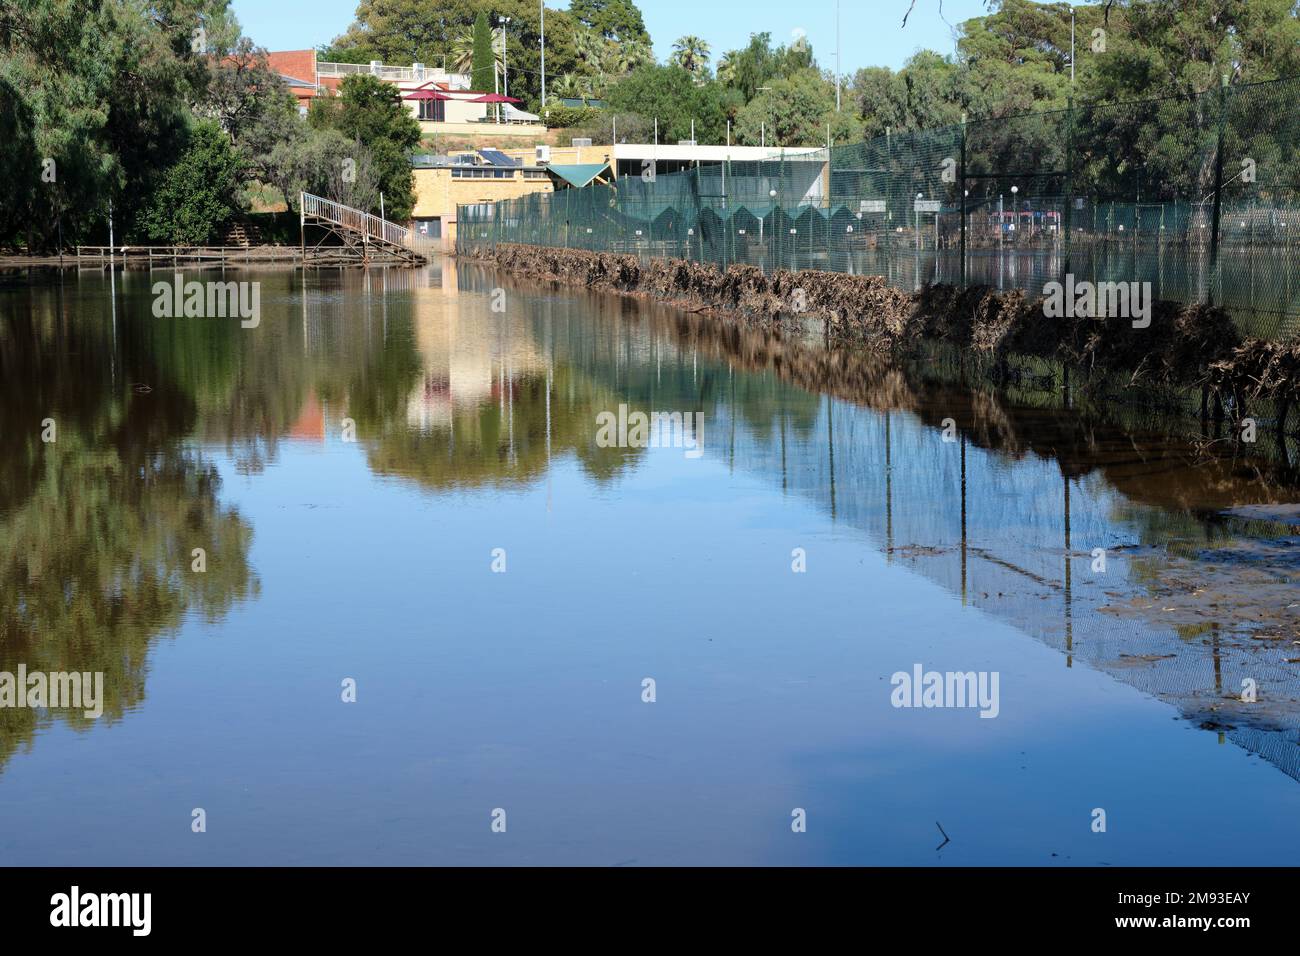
889	201
1067	214
961	197
699	215
1218	190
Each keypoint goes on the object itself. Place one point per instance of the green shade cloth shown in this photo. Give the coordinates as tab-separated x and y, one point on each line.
579	174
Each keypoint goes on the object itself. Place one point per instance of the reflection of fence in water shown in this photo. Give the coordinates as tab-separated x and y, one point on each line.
1013	538
1001	530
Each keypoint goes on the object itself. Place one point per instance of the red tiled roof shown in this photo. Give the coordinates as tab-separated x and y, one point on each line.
293	63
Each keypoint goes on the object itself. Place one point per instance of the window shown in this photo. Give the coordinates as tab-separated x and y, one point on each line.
434	111
483	172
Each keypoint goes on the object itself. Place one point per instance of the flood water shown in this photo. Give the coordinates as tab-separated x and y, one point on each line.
398	479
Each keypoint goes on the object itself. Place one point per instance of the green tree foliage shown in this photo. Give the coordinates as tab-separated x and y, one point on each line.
691	54
95	95
574	117
670	94
1181	47
754	66
197	195
618	20
1018	58
795	111
345	53
483	63
326	163
243	94
371	112
432	31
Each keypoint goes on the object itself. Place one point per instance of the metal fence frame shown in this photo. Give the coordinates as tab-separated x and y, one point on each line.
1198	195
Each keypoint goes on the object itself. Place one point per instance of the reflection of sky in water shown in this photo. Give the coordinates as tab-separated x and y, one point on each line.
522	690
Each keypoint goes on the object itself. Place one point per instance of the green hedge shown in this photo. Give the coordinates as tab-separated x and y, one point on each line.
566	117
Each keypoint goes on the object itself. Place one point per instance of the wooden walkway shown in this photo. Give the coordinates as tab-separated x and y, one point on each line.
162	256
362	239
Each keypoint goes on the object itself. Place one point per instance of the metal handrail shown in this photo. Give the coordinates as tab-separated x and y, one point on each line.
363	222
384	71
355	219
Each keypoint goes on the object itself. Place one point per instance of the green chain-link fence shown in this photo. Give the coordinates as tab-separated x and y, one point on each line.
1199	196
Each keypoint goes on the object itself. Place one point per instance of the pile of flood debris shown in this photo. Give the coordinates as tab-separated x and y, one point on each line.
1181	345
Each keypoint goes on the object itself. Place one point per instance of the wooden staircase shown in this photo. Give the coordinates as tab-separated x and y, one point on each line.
243	234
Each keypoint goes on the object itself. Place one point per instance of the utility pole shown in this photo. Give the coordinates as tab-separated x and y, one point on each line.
541	4
505	69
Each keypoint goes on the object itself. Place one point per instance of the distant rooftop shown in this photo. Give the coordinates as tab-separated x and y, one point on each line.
717	153
483	157
416	72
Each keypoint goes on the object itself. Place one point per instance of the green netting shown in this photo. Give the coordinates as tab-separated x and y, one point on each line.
1196	195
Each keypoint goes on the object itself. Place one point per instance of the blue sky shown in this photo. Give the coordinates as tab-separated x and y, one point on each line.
871	34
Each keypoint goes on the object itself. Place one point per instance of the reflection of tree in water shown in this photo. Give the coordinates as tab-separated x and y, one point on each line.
97	528
503	441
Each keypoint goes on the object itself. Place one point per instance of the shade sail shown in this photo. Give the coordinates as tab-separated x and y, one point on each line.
579	174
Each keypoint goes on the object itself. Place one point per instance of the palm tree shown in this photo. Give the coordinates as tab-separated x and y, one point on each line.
462	51
589	46
691	53
567	87
727	69
595	87
637	53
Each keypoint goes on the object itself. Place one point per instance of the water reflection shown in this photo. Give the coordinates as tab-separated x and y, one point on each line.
97	526
1005	505
467	406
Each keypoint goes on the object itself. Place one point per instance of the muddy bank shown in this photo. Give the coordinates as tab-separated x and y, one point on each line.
1185	346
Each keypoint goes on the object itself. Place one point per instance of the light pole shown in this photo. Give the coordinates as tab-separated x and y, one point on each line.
505	72
916	217
771	194
1015	209
965	225
541	5
837	56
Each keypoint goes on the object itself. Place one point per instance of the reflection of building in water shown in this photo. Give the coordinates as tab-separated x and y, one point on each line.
470	355
310	424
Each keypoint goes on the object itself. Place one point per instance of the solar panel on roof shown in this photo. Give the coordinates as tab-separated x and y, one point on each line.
498	158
